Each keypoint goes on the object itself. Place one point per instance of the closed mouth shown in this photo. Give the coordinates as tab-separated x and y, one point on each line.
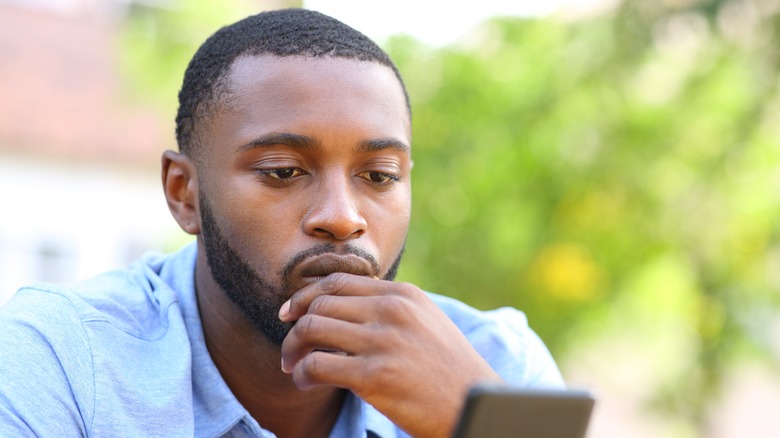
324	265
318	267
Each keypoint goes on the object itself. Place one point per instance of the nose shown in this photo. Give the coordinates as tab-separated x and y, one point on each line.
334	212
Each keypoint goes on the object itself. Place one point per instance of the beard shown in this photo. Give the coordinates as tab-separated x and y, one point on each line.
256	295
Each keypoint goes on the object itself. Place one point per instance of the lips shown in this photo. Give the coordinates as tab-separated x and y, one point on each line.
326	264
317	267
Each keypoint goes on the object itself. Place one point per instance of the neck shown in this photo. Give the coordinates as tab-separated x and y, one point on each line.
251	367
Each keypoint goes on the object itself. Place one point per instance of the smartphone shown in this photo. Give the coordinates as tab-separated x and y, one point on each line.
505	411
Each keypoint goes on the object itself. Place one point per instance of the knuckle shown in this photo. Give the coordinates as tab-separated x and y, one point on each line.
306	325
312	366
319	305
380	373
333	283
409	290
312	370
395	305
296	301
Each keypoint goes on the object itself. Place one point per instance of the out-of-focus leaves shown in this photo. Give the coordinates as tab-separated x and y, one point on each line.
157	43
613	176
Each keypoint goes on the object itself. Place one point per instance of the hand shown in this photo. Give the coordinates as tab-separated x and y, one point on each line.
389	344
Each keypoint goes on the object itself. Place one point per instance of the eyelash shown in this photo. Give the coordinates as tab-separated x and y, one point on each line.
390	177
274	173
296	172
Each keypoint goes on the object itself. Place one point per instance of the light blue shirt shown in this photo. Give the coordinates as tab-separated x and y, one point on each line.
123	355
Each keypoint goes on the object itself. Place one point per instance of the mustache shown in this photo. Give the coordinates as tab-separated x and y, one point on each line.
325	248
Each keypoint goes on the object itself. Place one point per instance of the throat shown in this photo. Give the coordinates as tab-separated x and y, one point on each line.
253	373
250	365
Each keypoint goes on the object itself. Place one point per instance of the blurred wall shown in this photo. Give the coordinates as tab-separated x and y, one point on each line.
79	184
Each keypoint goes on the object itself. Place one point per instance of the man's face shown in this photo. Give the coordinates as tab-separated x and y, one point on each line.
307	172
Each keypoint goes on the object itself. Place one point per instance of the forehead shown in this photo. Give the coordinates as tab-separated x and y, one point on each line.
293	93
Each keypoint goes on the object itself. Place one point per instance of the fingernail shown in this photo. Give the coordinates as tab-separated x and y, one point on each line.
284	369
285	310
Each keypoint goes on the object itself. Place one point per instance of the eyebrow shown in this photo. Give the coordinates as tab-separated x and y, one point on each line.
382	144
304	142
296	141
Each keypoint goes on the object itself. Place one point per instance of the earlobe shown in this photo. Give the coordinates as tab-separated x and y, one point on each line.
180	184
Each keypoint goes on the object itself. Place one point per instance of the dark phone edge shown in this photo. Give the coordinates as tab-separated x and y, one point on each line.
491	388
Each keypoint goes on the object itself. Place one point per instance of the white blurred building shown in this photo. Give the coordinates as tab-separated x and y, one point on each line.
80	189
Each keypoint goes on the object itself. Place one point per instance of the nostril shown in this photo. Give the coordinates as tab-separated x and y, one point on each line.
336	235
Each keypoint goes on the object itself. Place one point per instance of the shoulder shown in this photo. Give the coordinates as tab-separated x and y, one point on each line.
469	319
41	315
503	337
125	304
66	319
78	348
45	355
48	330
134	300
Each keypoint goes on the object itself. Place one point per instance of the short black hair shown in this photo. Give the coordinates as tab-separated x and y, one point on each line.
284	32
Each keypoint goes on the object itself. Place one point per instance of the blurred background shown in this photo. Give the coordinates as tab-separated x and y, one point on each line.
610	167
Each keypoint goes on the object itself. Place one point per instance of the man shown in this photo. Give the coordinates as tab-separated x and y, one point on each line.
294	174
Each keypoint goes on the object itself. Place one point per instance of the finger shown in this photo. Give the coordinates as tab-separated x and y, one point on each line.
321	368
338	283
314	332
344	308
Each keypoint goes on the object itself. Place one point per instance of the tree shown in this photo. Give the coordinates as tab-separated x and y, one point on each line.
616	178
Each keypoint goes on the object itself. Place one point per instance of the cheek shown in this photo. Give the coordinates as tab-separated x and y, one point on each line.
267	225
390	226
258	209
262	227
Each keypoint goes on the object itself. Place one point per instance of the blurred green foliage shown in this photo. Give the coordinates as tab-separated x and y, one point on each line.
617	178
156	43
613	177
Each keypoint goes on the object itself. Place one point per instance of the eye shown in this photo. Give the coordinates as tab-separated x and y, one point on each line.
379	178
281	172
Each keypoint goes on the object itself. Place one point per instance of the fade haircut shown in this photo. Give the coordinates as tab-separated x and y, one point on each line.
286	32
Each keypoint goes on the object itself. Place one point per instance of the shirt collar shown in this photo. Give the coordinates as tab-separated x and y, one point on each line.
216	410
359	419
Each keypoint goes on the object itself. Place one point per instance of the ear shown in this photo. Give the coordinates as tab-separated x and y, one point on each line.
180	184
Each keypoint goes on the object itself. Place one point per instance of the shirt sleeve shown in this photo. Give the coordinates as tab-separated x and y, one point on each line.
518	354
46	378
505	340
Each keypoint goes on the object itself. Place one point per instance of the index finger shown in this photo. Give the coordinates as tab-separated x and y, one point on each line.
337	283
